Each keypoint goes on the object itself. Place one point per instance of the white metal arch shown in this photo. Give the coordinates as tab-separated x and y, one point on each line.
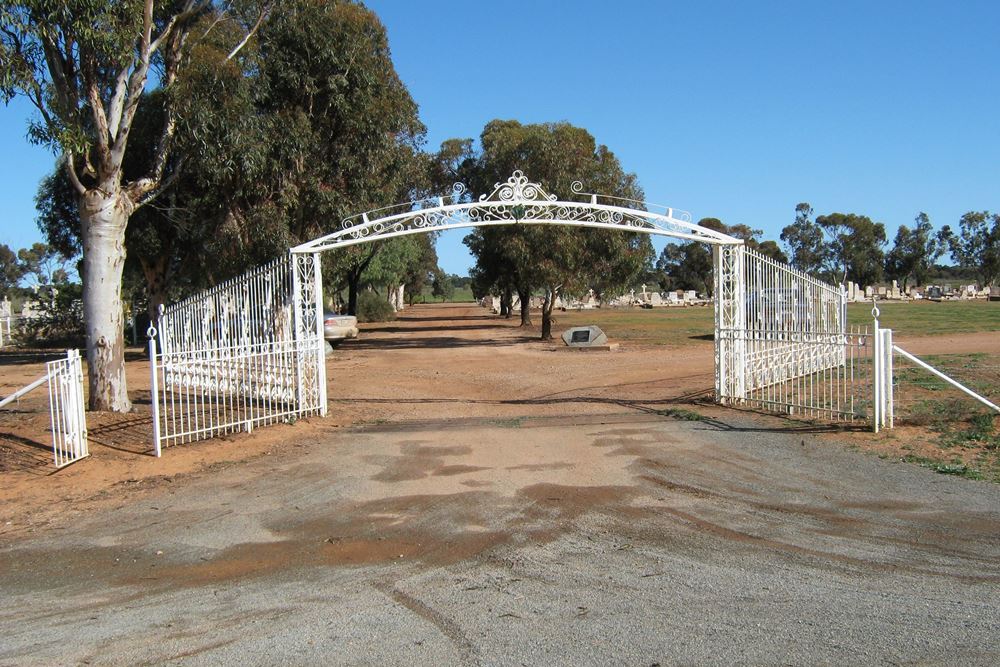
516	201
250	352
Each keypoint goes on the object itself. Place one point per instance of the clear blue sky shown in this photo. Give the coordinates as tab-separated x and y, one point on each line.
730	110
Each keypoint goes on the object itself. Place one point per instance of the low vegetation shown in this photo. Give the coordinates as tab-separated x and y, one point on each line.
372	307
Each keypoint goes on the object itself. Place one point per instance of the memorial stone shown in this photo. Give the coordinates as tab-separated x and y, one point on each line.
589	336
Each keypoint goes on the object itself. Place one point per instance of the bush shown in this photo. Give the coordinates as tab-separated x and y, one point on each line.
59	320
373	307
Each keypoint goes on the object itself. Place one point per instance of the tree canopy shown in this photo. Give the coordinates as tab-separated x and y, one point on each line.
556	259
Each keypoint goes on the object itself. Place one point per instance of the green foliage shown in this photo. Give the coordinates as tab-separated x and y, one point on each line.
804	239
855	247
523	258
689	266
914	252
372	307
442	287
977	245
43	265
11	270
60	316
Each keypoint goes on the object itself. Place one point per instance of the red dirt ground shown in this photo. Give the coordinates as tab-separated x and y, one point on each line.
436	362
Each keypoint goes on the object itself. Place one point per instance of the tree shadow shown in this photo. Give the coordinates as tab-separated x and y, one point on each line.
474	327
133	435
434	342
670	409
26	455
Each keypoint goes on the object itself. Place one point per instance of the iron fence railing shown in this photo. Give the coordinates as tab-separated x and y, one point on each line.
64	378
246	353
811	375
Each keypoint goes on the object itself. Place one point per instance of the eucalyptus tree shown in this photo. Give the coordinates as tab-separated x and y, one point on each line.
690	265
208	221
554	258
804	239
855	247
85	66
977	244
346	131
914	251
11	270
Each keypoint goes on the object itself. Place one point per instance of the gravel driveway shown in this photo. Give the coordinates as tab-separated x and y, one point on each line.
594	539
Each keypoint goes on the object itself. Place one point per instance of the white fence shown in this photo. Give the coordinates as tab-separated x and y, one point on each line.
802	381
66	407
246	353
781	339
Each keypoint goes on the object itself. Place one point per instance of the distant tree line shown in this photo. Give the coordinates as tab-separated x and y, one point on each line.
847	247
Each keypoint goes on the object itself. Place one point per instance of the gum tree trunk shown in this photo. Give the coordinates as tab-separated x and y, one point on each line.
547	314
157	276
103	218
525	297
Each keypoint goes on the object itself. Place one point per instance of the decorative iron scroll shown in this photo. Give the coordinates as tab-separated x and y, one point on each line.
516	200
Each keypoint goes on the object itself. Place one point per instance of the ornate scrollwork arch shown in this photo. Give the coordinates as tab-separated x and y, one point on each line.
515	201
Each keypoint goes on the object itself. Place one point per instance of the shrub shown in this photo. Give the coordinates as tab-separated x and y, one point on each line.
373	307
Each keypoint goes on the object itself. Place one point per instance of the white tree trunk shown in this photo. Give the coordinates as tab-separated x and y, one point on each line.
401	297
103	218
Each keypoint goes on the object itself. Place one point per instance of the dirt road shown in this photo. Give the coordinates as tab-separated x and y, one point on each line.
474	499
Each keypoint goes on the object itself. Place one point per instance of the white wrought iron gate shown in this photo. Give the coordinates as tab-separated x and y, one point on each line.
69	418
67	412
782	342
245	353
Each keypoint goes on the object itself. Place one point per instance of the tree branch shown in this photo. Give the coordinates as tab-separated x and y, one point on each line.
265	10
71	173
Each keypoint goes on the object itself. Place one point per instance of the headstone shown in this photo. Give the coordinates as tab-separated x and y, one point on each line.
5	307
589	336
869	293
655	299
882	291
934	292
690	295
894	292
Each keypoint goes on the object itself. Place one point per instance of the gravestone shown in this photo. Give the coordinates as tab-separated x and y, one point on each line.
589	336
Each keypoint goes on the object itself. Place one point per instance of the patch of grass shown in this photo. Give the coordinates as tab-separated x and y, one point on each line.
678	326
928	318
516	422
682	414
945	468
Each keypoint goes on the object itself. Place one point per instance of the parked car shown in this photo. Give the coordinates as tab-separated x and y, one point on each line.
338	328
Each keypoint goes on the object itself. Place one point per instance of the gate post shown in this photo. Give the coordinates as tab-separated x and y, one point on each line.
320	340
730	322
154	384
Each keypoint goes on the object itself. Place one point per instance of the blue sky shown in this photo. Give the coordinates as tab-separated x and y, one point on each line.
730	110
